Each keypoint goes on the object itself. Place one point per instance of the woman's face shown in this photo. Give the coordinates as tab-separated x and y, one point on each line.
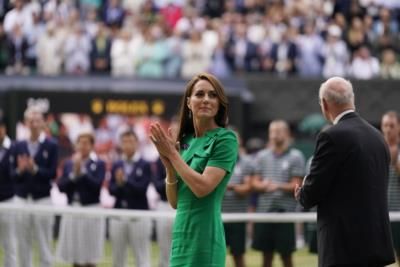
203	102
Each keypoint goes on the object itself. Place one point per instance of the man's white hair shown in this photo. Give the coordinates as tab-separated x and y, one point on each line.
338	91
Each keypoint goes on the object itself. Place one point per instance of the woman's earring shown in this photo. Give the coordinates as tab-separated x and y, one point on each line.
190	114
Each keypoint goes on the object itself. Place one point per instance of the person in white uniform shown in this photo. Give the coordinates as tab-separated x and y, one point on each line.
82	238
130	178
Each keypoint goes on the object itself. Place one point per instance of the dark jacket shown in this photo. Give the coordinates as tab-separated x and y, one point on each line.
348	181
131	194
36	185
7	187
87	186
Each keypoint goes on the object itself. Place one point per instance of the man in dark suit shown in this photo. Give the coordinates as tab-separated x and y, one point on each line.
348	182
34	168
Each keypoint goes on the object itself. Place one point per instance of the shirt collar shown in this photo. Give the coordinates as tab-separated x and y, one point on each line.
41	139
338	117
134	158
93	156
6	142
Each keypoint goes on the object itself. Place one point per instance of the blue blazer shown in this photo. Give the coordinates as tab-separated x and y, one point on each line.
36	185
132	194
158	178
87	186
7	187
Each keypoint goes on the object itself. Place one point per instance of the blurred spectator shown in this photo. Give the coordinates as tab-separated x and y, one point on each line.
190	21
91	23
219	65
3	49
65	146
19	15
364	66
123	53
81	239
390	66
310	58
153	53
174	61
242	55
104	139
100	52
76	124
213	8
335	53
356	35
171	13
196	59
17	49
113	14
283	55
76	51
148	14
38	28
50	51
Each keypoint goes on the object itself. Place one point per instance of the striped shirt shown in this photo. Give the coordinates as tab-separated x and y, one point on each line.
232	202
279	169
394	188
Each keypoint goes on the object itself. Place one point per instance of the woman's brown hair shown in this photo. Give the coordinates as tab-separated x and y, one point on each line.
185	121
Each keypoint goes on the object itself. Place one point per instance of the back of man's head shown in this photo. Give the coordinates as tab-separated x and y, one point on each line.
338	91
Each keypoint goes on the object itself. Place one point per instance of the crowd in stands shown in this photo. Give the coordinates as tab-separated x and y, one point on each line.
178	38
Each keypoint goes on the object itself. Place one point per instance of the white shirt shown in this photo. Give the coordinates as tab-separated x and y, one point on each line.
338	117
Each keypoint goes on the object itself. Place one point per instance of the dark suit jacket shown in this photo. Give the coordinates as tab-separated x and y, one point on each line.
38	185
87	186
158	178
132	194
7	189
348	182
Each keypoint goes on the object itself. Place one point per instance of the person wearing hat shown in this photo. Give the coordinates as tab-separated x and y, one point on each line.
7	221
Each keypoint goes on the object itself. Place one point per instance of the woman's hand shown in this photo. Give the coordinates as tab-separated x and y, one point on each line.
164	142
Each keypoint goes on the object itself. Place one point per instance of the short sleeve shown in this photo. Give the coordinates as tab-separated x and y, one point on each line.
225	152
298	164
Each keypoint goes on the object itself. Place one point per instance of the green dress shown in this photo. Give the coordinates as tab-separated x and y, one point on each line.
198	237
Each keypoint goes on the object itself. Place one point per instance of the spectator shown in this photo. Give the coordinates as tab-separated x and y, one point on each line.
19	15
77	51
284	54
335	53
50	48
17	49
364	66
3	49
82	238
114	14
188	22
241	53
100	52
356	35
390	66
219	65
38	28
130	177
171	13
153	53
34	168
174	60
196	59
310	58
123	54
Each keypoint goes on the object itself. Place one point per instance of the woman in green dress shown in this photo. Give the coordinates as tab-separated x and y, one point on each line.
199	163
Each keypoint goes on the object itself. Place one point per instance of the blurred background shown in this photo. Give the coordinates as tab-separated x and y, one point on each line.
101	65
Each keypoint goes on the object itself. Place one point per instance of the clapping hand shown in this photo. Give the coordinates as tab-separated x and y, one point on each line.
119	176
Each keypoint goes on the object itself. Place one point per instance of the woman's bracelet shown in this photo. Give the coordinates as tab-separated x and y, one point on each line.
169	183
